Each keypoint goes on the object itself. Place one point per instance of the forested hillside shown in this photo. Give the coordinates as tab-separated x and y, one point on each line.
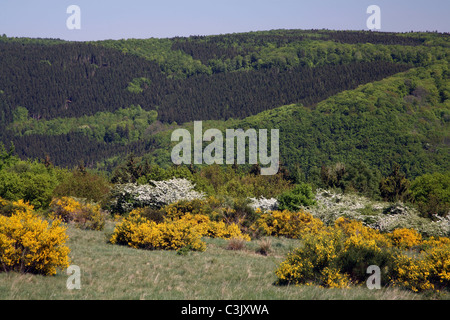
95	102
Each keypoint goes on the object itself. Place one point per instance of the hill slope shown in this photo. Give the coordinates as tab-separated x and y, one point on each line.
77	101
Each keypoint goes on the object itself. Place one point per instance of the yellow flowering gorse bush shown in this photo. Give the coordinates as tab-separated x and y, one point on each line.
438	255
333	278
412	273
7	208
29	244
138	232
339	255
405	238
286	223
85	216
314	261
364	233
172	234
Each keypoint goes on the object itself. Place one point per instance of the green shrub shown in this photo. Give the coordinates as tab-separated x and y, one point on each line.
83	184
30	181
293	200
358	255
395	186
431	193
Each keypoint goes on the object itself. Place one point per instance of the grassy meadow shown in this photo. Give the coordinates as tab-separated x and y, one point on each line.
119	272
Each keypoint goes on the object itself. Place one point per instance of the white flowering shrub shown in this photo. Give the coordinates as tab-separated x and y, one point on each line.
332	205
411	219
264	204
126	197
379	215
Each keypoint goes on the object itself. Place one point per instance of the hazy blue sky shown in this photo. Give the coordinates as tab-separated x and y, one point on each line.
116	19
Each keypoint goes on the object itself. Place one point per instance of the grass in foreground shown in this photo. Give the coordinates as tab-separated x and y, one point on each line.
118	272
